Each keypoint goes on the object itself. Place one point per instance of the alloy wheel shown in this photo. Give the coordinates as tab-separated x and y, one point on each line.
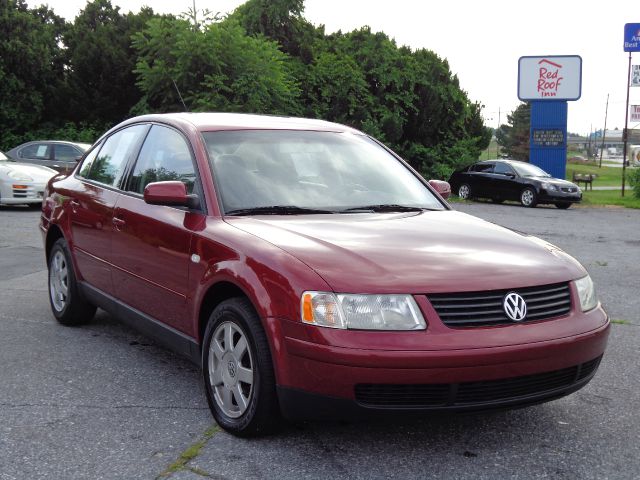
59	281
231	369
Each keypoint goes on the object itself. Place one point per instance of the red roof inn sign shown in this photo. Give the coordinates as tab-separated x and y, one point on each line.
550	78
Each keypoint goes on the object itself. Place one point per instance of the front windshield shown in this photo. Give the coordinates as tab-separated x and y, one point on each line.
528	170
322	171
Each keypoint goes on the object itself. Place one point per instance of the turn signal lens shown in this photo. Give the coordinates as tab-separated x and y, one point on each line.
20	187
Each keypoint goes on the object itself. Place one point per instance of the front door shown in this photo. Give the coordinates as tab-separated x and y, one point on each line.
152	243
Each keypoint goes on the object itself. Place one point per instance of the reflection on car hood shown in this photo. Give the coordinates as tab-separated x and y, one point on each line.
37	172
437	251
555	181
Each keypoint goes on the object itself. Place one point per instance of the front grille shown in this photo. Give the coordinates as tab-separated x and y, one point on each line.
477	309
569	189
473	393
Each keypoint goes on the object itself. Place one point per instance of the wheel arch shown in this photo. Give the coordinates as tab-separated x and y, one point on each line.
216	294
54	233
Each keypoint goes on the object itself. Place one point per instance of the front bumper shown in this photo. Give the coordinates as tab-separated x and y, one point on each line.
319	370
26	193
553	196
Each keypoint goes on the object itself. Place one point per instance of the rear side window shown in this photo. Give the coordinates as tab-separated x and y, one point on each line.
482	168
108	166
164	156
36	150
88	161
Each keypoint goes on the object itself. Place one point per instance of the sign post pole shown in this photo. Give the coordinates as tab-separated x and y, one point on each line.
625	133
631	44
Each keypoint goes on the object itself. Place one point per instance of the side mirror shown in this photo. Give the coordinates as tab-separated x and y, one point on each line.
442	187
171	193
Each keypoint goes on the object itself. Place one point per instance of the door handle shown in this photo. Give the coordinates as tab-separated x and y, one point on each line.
74	205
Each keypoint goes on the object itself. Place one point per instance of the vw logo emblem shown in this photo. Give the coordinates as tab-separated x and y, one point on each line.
232	369
515	307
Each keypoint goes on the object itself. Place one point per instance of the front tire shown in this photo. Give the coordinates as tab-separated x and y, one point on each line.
67	303
238	370
464	192
529	198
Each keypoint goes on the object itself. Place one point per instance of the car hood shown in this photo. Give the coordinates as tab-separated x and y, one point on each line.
39	173
428	252
555	181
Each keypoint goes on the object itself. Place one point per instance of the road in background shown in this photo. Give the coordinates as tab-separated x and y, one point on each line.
102	402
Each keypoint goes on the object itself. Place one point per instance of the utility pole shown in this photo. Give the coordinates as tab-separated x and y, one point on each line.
498	146
604	132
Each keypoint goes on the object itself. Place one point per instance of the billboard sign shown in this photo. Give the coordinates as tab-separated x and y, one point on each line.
632	37
552	77
634	112
635	76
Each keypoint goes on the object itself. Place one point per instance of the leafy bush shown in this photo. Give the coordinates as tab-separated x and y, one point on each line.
634	181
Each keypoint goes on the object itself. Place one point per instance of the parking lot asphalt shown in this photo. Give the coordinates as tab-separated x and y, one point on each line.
103	402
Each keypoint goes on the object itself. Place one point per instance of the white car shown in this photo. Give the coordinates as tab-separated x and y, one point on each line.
22	183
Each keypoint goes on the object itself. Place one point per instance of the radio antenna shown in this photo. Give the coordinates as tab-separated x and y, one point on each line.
179	95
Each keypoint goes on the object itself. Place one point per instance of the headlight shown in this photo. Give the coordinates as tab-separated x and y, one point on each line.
549	186
587	293
361	312
19	176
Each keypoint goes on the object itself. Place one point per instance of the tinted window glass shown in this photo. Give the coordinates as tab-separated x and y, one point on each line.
66	153
164	156
527	170
482	168
88	161
321	170
108	166
502	168
36	150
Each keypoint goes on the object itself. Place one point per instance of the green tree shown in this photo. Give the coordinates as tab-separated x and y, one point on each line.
514	136
216	67
31	68
101	84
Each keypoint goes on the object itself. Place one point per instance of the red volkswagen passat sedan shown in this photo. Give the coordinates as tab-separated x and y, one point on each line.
311	272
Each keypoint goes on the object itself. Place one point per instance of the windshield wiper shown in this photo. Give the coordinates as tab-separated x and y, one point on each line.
382	208
277	210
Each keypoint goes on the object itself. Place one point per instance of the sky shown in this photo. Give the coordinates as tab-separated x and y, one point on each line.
481	40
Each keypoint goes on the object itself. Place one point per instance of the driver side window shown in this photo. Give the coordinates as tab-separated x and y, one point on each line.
164	156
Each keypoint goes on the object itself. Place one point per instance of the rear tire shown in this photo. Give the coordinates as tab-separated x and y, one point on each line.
67	303
529	197
464	192
563	205
238	370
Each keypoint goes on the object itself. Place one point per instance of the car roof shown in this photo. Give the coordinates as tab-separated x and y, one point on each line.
210	121
504	160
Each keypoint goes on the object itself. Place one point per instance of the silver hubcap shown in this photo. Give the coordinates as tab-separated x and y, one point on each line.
230	369
463	192
527	197
59	281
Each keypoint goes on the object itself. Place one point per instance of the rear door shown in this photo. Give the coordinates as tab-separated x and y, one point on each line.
152	243
480	178
90	209
38	153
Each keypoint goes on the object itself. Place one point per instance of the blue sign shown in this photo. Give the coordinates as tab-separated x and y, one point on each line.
632	37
